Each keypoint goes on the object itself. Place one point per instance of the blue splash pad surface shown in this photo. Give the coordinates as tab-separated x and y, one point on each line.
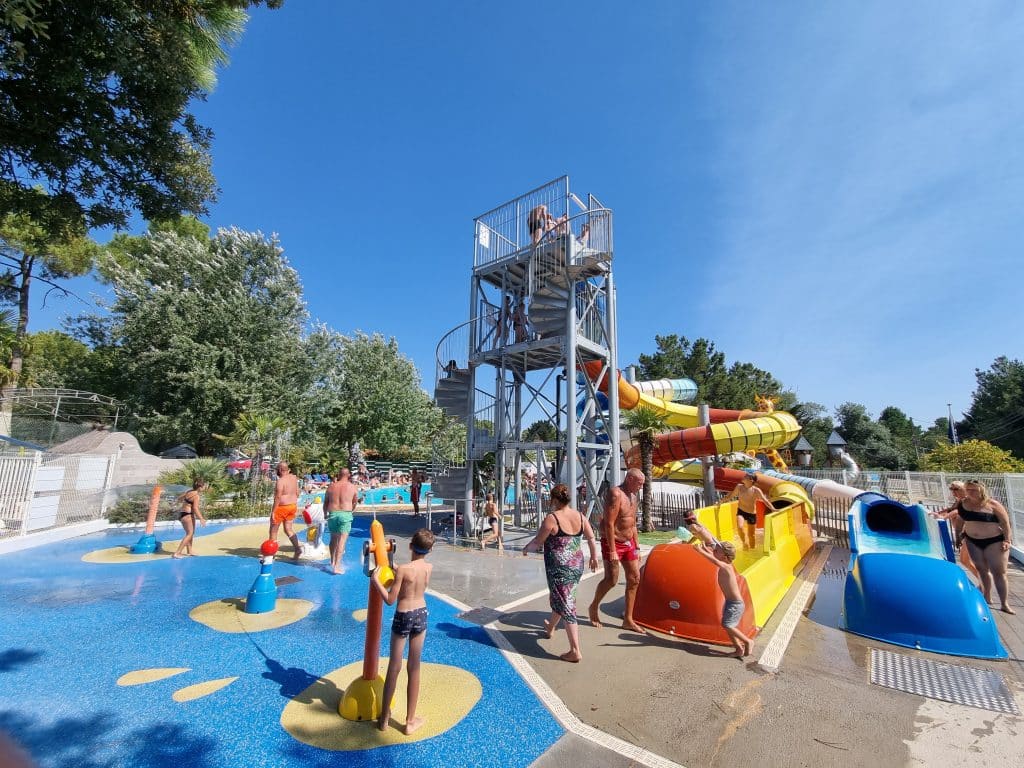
70	629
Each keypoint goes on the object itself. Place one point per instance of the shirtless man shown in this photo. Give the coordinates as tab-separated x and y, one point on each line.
748	495
340	504
286	501
619	544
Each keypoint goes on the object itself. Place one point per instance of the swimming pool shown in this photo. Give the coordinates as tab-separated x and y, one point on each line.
393	494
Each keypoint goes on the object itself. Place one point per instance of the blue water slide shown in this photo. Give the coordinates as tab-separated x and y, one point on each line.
904	586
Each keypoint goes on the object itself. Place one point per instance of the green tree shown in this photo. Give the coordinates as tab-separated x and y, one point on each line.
213	472
200	331
718	385
970	456
257	434
815	425
384	408
867	440
906	434
7	336
541	431
93	104
997	408
37	248
644	424
56	359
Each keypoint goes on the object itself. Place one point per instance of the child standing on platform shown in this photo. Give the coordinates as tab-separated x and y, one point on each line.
722	556
408	588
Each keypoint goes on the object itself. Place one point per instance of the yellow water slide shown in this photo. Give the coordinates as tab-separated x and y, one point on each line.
730	430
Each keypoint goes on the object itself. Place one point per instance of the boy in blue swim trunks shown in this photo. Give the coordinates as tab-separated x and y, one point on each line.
410	622
722	555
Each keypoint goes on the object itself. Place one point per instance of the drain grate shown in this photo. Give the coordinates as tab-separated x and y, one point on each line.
945	682
482	616
284	580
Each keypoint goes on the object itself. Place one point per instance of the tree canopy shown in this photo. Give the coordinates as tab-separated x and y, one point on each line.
93	106
997	408
718	385
970	456
201	330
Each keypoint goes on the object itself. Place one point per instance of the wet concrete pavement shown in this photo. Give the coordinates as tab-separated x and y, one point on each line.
692	705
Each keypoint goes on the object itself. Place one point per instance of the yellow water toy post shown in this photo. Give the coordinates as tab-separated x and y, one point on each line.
363	697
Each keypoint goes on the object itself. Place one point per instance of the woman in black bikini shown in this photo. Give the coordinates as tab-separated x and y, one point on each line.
189	514
984	523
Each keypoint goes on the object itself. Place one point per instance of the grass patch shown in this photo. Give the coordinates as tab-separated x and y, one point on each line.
657	537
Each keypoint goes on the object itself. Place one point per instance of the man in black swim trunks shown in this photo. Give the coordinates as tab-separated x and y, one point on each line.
748	494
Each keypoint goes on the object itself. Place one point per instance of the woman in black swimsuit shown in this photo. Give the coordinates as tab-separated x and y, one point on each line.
189	514
985	525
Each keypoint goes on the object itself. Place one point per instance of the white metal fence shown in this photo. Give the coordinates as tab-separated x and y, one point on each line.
40	491
932	488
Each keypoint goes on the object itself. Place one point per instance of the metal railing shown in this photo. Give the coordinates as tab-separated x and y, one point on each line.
39	491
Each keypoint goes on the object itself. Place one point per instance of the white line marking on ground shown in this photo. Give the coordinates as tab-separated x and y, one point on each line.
771	657
565	716
520	601
550	699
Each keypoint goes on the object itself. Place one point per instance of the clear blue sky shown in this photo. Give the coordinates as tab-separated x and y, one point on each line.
831	191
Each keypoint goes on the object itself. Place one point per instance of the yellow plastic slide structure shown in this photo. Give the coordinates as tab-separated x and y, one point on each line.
729	431
678	591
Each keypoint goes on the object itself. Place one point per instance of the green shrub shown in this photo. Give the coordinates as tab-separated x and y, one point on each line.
133	509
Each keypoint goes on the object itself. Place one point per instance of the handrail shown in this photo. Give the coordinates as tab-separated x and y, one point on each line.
447	351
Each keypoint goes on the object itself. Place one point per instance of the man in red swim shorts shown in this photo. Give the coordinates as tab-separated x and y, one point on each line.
286	504
619	545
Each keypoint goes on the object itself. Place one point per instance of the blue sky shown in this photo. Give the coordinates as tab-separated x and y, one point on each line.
829	191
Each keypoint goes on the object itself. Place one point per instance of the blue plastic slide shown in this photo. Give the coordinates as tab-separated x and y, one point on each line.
905	588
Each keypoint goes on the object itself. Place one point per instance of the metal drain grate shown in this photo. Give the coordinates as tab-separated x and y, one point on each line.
945	682
282	581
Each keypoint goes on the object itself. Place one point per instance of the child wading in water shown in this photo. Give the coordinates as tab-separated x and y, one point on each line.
410	621
722	556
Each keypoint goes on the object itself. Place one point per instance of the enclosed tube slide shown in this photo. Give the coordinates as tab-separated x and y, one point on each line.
904	587
676	414
673	390
818	489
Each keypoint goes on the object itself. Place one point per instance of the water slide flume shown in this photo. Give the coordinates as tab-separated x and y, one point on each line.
904	586
730	430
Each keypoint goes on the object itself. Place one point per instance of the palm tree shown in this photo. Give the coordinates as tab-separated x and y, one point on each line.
644	424
255	433
213	472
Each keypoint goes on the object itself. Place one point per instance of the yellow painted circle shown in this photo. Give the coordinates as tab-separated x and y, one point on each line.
236	540
229	615
199	690
359	614
447	694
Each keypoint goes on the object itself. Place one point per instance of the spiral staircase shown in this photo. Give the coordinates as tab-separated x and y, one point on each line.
540	306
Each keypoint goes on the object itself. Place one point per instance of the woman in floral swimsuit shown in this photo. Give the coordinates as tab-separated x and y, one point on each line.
559	537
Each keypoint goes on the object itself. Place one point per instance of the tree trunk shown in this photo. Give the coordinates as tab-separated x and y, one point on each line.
17	348
647	462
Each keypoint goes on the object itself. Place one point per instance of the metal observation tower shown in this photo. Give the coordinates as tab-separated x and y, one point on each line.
541	305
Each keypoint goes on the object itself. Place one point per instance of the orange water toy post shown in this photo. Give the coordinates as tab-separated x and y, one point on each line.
363	697
148	544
